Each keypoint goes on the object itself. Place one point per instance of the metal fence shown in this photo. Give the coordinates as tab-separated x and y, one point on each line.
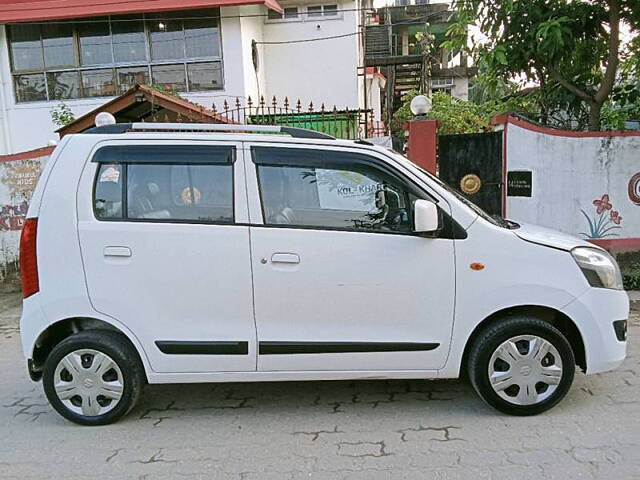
344	123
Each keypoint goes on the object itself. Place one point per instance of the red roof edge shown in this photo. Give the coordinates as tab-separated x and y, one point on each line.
28	155
16	11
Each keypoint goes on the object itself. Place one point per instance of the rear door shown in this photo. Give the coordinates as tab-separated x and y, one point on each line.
164	252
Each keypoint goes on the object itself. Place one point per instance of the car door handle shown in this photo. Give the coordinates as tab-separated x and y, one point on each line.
285	258
117	252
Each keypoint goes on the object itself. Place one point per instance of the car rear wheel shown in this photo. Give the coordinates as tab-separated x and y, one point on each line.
521	365
93	377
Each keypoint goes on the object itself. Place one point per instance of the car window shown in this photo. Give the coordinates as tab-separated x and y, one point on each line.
202	193
170	183
108	191
302	187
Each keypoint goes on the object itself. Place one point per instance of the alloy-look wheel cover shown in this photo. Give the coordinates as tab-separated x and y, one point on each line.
525	370
88	382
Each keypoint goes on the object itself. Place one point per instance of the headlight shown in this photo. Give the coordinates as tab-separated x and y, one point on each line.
599	267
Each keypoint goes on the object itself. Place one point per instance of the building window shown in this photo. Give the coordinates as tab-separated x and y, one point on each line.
442	82
318	11
310	13
446	90
180	51
290	13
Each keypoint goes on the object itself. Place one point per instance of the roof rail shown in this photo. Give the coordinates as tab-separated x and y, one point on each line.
207	128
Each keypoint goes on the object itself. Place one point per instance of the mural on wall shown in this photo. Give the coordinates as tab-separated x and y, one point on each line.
605	221
18	178
634	189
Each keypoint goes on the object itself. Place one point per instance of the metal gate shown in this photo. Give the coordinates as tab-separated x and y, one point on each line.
472	164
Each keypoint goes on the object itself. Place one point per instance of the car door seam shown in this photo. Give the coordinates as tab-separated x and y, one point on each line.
253	283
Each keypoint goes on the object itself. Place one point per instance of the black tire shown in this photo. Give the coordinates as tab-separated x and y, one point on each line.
116	346
492	337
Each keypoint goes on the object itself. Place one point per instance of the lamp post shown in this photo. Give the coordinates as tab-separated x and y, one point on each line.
423	139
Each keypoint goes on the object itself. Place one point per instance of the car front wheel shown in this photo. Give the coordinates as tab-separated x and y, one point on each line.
521	365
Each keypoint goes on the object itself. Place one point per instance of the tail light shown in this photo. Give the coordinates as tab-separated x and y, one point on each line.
29	258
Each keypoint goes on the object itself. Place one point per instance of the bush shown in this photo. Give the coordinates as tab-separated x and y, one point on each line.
631	277
460	116
61	115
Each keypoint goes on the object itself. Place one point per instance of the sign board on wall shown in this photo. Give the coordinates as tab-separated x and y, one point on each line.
519	183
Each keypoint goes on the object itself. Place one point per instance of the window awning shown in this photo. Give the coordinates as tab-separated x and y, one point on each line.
13	11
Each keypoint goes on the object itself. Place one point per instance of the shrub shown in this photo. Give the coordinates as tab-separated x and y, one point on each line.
631	277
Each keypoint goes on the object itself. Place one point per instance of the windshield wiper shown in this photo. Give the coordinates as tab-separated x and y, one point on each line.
503	222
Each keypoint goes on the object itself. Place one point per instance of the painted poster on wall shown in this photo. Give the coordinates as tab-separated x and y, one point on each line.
18	179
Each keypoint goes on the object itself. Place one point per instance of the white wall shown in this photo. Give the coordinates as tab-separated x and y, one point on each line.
460	88
319	71
569	174
252	29
375	84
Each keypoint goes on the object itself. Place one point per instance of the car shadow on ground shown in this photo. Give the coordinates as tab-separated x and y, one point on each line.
159	402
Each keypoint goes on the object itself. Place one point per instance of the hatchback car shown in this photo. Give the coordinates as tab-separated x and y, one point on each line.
168	253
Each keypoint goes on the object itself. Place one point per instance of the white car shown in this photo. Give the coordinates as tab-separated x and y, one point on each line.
168	253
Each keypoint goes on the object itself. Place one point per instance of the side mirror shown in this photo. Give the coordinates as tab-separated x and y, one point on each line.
425	216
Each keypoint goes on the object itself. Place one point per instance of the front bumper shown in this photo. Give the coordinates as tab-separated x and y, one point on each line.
595	312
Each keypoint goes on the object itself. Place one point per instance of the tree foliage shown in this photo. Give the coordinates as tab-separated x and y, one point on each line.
625	98
462	116
62	115
570	49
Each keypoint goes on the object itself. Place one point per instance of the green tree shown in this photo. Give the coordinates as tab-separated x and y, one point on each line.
570	49
625	98
461	116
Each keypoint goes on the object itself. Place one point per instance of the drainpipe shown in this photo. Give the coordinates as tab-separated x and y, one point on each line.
3	99
5	119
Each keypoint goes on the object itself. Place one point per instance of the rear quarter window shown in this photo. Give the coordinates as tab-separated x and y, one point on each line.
108	192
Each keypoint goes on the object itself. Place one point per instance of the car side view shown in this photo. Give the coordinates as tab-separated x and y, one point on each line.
171	253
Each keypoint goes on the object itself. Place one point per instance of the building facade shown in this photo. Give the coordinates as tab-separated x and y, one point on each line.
221	50
405	42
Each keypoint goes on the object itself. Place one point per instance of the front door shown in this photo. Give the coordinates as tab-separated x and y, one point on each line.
341	282
165	255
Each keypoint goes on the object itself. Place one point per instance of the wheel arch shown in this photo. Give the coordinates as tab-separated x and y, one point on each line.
58	331
548	314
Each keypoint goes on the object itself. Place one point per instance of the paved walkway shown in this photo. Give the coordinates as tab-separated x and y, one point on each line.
323	430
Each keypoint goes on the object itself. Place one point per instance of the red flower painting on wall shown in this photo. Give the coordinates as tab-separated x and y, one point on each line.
605	222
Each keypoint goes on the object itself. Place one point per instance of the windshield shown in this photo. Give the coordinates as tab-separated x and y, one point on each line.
494	219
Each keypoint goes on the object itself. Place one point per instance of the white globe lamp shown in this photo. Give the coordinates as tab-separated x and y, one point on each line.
105	118
420	105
